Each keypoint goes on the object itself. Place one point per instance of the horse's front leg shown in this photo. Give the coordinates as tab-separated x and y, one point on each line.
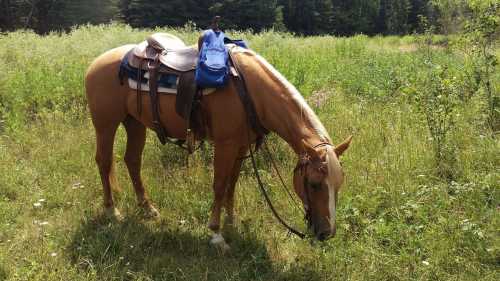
226	155
229	199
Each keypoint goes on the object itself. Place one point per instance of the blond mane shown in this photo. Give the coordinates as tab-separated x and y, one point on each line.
308	114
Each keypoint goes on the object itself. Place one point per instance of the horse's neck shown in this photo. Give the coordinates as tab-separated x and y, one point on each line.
279	106
286	118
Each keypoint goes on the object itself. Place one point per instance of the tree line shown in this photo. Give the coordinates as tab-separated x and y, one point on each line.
307	17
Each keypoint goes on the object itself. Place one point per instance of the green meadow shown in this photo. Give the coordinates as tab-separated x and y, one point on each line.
421	199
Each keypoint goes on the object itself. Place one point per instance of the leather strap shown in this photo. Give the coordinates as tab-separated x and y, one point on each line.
261	131
139	84
247	101
153	95
268	200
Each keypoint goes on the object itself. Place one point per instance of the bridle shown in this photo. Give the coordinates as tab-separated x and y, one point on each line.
261	131
302	166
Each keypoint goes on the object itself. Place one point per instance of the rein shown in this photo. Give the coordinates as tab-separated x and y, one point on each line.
268	200
261	131
266	196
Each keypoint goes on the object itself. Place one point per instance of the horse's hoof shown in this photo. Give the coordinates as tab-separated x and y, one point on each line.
150	212
219	243
113	214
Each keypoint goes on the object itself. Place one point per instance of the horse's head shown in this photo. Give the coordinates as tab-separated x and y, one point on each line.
317	180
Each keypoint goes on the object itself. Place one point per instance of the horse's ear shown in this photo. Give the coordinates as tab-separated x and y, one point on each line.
310	150
339	149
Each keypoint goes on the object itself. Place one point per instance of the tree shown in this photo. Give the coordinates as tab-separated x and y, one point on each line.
44	16
396	16
450	14
151	13
279	21
357	16
246	14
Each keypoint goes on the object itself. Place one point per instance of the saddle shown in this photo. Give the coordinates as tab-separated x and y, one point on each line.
171	51
164	54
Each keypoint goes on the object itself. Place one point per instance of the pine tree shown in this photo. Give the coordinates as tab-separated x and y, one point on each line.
397	13
323	22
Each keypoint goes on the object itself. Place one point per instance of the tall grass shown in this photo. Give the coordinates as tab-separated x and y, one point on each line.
397	220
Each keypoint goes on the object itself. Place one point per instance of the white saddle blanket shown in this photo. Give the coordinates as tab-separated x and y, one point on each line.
171	91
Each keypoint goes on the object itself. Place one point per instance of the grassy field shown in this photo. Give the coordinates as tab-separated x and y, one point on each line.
397	219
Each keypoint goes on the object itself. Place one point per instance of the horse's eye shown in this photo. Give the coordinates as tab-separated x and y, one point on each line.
316	186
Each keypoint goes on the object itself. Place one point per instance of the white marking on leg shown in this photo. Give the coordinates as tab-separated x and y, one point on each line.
218	241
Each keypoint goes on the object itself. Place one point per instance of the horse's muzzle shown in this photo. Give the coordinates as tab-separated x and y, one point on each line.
325	231
325	235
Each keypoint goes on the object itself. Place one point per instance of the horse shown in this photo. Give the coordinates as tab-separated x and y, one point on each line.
279	106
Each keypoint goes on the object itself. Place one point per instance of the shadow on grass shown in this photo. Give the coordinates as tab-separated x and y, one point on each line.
134	249
3	274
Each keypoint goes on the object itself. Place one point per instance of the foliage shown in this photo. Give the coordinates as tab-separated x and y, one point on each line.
396	220
450	14
436	93
299	16
437	98
478	42
44	16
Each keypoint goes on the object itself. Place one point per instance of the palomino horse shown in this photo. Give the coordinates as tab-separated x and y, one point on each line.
279	106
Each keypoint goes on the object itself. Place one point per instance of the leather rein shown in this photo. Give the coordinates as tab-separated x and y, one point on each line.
305	161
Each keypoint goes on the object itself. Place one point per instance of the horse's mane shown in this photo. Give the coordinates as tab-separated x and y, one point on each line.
308	114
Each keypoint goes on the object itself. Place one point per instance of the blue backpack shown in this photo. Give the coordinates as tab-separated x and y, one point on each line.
213	64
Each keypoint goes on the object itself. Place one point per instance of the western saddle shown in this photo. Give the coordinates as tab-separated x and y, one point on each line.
164	53
168	49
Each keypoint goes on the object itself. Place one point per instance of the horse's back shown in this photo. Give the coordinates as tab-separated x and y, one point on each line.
111	57
105	93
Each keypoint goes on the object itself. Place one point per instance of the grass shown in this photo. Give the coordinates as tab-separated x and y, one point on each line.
396	221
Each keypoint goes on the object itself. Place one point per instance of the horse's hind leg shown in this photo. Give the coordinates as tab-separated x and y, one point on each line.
104	159
136	137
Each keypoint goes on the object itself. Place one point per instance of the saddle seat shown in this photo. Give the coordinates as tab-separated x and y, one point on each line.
172	52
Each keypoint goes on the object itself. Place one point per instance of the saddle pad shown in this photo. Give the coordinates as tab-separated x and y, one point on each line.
162	89
167	83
